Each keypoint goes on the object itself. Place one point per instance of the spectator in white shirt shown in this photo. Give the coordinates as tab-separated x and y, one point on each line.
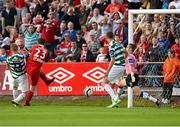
96	17
105	26
102	57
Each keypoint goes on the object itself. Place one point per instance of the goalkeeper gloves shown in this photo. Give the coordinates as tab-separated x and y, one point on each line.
132	77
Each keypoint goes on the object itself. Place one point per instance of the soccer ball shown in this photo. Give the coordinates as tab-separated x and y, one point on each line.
87	91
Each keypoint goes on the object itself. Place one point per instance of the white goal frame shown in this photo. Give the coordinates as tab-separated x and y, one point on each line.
130	34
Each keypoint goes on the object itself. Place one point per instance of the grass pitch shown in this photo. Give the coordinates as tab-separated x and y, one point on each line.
85	113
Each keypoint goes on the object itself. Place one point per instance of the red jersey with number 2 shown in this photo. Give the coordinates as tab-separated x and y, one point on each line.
38	55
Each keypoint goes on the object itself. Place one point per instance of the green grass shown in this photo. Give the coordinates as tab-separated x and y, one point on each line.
86	113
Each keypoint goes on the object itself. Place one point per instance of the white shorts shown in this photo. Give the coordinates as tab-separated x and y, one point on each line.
115	73
21	82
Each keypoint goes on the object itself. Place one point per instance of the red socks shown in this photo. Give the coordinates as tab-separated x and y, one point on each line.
29	95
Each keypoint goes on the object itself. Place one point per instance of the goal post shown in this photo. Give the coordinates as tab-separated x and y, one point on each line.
131	19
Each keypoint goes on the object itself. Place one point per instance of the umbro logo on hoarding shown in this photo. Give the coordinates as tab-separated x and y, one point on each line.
61	75
96	74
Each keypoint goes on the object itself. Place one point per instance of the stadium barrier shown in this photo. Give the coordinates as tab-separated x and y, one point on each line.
70	79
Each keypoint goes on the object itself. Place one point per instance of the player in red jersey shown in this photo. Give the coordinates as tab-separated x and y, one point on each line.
38	55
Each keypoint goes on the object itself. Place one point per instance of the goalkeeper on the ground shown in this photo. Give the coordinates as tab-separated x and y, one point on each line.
132	76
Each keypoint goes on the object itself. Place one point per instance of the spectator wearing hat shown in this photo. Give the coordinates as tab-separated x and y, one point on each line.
71	30
122	32
47	34
79	39
93	44
8	17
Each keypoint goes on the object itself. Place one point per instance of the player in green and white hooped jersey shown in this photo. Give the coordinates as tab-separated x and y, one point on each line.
115	69
17	67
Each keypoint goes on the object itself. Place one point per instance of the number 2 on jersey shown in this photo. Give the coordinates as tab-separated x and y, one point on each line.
40	55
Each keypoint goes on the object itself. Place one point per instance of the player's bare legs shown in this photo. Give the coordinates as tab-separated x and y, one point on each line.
30	93
113	94
33	84
15	92
44	78
137	92
39	55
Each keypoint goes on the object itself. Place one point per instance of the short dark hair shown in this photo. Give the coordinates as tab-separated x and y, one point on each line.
172	52
41	41
133	47
110	35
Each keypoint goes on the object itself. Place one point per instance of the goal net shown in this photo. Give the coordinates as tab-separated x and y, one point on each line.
146	27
